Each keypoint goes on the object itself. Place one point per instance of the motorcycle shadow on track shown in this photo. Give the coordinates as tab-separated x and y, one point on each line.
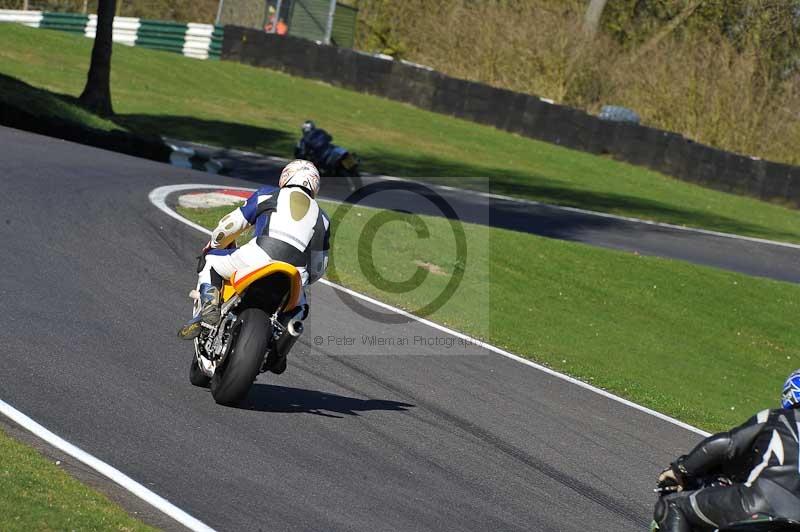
288	400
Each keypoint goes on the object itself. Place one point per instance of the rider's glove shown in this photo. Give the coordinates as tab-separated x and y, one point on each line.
675	474
667	479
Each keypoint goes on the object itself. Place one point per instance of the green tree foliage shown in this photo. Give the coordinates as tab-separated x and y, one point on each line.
770	26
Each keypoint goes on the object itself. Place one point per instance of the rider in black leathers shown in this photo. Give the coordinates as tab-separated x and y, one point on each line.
760	457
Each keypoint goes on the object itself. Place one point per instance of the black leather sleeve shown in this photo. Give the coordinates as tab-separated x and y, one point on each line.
718	450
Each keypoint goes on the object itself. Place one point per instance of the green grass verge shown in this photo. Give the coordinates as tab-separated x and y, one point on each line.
239	106
706	346
38	495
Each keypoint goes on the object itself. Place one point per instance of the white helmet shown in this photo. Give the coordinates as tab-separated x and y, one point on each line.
300	173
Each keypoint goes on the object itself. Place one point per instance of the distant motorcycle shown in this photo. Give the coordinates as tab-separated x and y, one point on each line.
316	146
757	522
253	335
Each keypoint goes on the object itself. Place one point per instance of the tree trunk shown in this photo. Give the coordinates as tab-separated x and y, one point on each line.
664	32
96	95
593	15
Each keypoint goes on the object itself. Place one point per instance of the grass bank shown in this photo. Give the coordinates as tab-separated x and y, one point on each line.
233	105
38	495
706	346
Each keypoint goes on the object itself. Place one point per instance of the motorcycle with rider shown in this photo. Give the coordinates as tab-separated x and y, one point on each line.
250	301
316	145
746	479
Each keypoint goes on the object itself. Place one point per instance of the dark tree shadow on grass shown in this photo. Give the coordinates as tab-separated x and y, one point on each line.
287	400
51	106
214	132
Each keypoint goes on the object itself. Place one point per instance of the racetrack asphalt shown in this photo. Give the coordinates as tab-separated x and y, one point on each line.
740	255
94	287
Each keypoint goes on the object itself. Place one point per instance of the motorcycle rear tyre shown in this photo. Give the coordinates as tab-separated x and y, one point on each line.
232	381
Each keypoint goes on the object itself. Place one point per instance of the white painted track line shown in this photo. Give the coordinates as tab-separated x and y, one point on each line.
104	469
158	198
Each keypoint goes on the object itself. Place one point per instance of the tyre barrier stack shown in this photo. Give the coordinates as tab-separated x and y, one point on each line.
126	29
200	41
28	18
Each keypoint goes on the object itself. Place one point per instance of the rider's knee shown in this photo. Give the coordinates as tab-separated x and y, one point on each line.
660	511
667	514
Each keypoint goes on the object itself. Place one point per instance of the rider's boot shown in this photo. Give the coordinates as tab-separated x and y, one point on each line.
209	313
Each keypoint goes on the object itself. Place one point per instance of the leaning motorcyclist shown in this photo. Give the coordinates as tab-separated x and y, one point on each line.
289	227
313	144
760	458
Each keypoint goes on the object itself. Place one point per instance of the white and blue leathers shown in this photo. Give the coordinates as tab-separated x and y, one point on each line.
289	226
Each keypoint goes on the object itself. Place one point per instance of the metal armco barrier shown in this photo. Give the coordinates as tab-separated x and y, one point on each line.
200	41
527	115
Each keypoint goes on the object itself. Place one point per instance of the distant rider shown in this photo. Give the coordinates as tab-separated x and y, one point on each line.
289	227
314	143
759	457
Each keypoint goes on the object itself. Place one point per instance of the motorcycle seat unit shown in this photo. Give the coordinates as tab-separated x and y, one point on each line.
241	279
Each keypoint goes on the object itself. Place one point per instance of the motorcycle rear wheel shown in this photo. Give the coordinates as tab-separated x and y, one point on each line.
232	381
